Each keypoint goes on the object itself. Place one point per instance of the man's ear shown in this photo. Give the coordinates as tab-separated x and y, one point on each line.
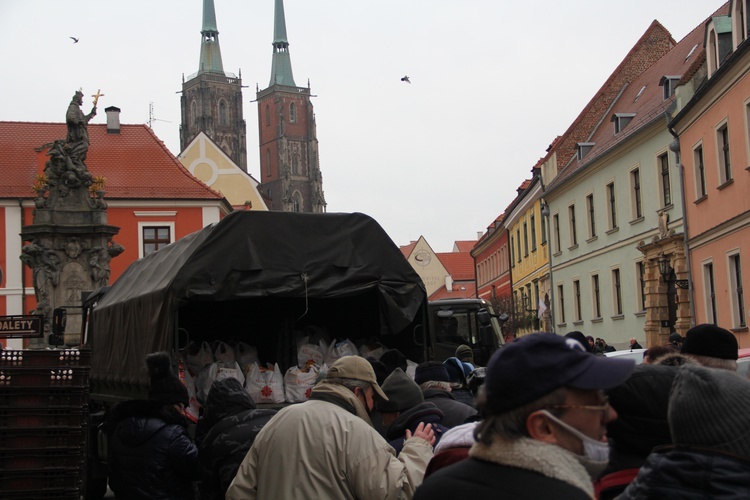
540	428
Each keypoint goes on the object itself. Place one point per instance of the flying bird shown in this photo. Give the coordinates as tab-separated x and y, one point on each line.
75	40
406	79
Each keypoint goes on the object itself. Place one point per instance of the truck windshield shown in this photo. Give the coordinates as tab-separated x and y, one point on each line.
459	328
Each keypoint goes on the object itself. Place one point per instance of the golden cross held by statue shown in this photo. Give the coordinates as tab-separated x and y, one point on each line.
97	96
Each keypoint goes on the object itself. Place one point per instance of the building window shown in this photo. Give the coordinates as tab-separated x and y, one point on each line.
268	163
635	184
292	113
544	230
722	140
525	240
223	120
518	244
700	172
735	283
596	296
194	113
641	270
512	259
621	120
617	291
666	191
536	296
155	237
669	83
582	149
591	215
710	292
573	233
612	206
268	115
296	202
533	233
556	228
295	164
561	303
576	300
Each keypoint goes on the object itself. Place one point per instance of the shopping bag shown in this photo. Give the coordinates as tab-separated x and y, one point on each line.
339	350
308	353
223	352
298	383
265	385
198	356
245	354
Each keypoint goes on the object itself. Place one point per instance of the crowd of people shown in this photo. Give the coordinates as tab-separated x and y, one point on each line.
549	416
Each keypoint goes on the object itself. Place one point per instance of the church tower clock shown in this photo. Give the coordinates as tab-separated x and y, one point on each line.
211	99
289	167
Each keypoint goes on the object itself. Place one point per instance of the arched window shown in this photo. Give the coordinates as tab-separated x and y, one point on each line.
292	113
296	202
194	113
295	164
223	113
268	163
268	115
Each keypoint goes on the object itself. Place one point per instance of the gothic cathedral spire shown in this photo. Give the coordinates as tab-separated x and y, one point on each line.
289	164
211	99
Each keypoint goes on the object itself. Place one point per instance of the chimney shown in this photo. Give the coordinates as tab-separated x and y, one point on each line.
449	283
113	119
479	235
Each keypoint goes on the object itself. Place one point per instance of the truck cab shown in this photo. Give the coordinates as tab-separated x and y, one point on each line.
472	322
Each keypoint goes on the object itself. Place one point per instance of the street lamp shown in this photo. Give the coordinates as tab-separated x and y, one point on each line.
666	271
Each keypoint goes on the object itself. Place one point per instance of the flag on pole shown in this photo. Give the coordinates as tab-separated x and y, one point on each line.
542	308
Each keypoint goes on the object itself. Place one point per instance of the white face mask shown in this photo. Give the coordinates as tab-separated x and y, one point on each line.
595	453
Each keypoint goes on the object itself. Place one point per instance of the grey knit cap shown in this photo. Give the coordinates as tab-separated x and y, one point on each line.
403	393
710	408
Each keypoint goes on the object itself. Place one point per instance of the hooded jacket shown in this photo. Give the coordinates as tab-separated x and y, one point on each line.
327	448
410	420
454	412
150	454
231	423
685	474
520	469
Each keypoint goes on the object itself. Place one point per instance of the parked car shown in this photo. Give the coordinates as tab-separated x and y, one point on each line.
635	354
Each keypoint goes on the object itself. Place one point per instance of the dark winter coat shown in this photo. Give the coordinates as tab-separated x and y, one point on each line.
454	412
682	473
150	453
234	422
521	469
410	420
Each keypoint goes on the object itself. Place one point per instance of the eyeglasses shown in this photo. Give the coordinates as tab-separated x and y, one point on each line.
604	407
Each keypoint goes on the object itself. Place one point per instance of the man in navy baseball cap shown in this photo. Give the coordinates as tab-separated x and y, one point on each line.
544	428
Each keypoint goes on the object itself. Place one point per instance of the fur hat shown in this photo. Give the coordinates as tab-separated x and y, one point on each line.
403	393
431	370
710	340
165	386
709	408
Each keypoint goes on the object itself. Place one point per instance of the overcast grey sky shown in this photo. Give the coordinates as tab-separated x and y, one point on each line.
493	83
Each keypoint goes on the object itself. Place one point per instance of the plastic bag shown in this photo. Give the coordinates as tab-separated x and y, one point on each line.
245	354
371	351
298	383
336	351
198	356
308	353
223	352
194	406
265	385
217	371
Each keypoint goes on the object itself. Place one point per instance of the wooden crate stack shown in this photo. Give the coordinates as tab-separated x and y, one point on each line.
43	414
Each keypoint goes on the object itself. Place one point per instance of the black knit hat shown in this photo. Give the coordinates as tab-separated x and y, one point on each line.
165	386
710	340
403	393
709	408
641	404
431	371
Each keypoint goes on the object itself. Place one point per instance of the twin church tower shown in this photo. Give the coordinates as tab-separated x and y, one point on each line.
211	103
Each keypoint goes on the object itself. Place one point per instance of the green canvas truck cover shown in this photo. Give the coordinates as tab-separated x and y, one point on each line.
247	255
